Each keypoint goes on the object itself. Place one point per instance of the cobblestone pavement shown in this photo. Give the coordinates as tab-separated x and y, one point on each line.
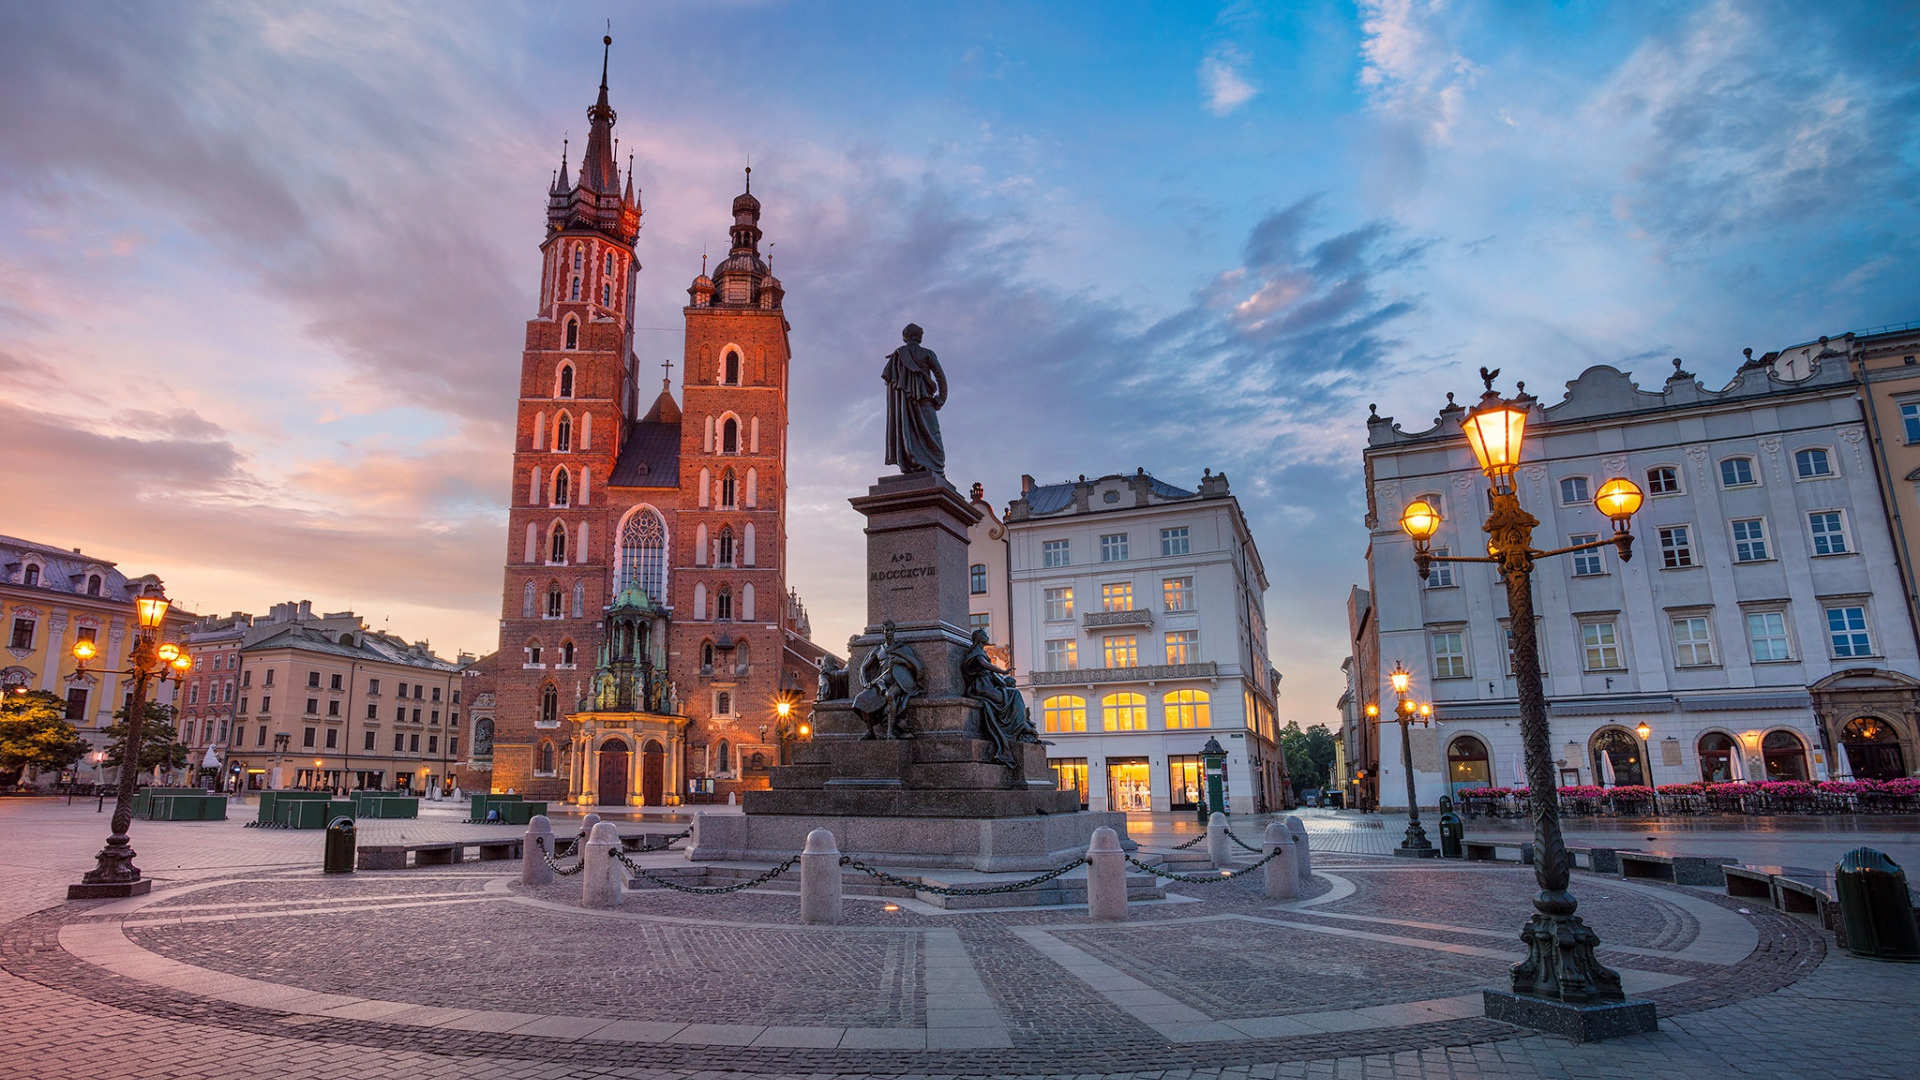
246	962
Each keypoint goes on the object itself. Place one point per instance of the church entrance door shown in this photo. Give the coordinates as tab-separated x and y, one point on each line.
614	756
653	769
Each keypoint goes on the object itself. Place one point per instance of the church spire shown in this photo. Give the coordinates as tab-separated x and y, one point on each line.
597	168
594	200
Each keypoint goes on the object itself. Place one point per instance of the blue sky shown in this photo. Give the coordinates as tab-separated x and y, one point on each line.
264	271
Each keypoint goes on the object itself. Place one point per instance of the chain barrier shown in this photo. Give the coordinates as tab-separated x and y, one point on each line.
1190	843
943	890
1244	846
564	871
1226	875
705	890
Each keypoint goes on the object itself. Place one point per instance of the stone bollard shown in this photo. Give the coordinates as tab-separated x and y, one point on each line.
820	879
1106	877
1299	830
587	823
1217	843
533	862
600	882
1283	877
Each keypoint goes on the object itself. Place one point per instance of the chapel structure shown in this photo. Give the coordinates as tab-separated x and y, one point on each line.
648	637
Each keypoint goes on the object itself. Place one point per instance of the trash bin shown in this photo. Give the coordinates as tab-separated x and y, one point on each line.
1451	832
1875	906
339	856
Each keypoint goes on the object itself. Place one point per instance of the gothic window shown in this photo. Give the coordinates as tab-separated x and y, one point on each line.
579	599
93	585
533	651
706	657
643	554
545	764
732	377
566	381
575	294
741	661
566	652
577	252
726	545
727	490
556	603
606	294
609	265
557	552
573	333
563	427
730	436
561	487
723	760
549	704
723	603
528	602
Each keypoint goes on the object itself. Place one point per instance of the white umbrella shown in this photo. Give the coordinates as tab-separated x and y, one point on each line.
211	761
1737	766
1519	773
1842	766
1606	769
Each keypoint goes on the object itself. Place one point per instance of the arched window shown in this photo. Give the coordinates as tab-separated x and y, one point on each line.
549	704
1663	480
566	651
1785	756
573	333
93	585
753	489
746	601
574	294
606	294
726	545
1188	708
730	436
528	602
725	702
1873	750
1064	712
742	660
1124	712
706	658
534	652
728	489
556	602
700	600
557	551
578	252
732	375
545	763
1622	751
723	758
1467	764
643	555
563	427
608	271
1716	757
1812	462
561	489
566	381
723	603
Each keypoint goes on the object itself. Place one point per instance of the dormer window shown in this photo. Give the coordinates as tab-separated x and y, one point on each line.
93	585
32	575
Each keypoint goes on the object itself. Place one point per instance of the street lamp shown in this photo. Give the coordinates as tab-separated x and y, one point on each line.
1406	713
1560	964
114	874
1645	731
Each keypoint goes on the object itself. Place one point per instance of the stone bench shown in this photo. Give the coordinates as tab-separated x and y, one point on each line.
394	856
1678	869
1600	860
493	850
1753	882
1489	850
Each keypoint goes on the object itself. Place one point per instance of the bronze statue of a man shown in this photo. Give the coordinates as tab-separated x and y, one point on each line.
916	390
893	678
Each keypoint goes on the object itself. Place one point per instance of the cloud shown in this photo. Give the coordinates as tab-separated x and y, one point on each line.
1411	71
1221	80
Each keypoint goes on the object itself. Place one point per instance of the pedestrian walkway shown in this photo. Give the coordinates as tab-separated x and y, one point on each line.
246	961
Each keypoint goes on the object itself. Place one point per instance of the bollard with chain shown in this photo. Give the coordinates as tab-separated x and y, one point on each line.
820	892
1217	850
1299	829
1283	877
1106	877
600	883
534	847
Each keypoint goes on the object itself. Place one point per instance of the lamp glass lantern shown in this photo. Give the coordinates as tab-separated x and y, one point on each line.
1494	430
150	611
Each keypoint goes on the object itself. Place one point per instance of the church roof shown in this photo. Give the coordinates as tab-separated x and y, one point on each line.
651	456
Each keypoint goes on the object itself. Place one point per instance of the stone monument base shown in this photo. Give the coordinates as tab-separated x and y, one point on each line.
1581	1023
990	845
113	890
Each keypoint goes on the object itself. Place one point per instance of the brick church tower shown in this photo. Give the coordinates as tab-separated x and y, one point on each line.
647	633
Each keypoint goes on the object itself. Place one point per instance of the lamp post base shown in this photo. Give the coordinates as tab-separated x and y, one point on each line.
1428	852
1590	1022
110	890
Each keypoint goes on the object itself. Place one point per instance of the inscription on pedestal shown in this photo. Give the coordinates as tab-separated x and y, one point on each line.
904	571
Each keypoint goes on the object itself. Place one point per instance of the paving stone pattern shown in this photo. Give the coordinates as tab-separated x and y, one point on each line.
1790	1008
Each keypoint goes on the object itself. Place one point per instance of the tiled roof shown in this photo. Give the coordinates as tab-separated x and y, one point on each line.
370	647
650	458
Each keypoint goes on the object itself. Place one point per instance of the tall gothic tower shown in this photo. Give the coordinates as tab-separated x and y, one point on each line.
576	390
732	636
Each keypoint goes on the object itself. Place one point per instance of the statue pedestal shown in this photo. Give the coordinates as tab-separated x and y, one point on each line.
935	799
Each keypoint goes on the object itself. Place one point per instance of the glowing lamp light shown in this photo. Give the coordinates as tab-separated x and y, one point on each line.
784	708
1401	678
1420	520
150	611
1372	709
1426	709
183	663
1643	730
168	652
1619	499
84	650
1494	430
806	731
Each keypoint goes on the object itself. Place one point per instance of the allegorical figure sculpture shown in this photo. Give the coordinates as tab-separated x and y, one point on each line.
916	390
1002	707
893	677
833	680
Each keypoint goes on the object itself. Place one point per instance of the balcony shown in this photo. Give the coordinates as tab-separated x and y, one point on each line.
1100	620
1149	673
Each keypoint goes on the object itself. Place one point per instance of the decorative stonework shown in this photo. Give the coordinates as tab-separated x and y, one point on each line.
1132	617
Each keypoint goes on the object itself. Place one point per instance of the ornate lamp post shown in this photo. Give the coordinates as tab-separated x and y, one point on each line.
115	874
1560	969
1406	713
1645	731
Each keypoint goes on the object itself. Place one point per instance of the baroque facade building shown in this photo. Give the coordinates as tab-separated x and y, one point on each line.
52	597
1139	628
1758	631
989	607
647	631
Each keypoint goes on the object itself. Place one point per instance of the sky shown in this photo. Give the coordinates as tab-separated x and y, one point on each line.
265	268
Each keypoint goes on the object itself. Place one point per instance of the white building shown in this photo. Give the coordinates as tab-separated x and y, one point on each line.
1139	627
1760	615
